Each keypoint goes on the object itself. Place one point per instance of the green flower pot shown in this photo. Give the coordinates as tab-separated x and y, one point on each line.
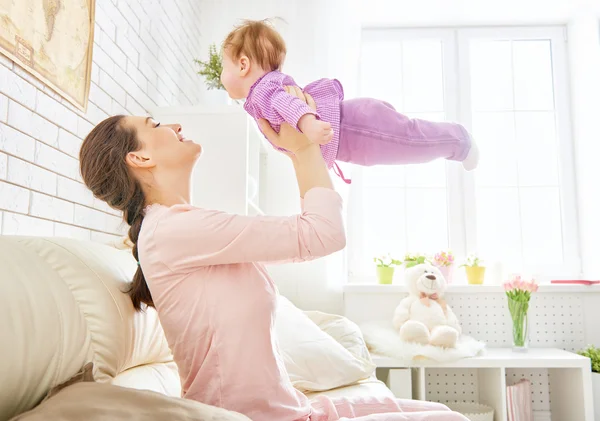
385	274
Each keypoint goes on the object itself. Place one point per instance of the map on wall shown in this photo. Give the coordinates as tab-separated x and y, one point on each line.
53	40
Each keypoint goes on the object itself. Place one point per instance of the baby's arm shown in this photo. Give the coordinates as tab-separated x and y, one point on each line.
298	114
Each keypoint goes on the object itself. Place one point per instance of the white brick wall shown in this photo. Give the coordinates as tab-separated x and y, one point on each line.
143	57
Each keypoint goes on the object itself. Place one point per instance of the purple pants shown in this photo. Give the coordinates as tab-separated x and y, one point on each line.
372	132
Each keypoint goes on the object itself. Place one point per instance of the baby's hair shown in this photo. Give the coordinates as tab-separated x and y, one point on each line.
258	40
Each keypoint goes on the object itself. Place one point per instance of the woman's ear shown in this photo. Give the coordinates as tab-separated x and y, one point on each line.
139	159
244	66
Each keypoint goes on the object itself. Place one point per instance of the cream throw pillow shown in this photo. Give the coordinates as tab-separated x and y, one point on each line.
100	402
344	331
314	360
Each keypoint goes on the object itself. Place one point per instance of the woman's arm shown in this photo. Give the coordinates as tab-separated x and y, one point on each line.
311	170
189	237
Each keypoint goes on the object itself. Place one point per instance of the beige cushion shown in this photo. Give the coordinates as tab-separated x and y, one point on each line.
61	306
160	377
101	402
85	375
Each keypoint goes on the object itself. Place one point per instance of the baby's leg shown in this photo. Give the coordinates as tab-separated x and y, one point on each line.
372	132
370	408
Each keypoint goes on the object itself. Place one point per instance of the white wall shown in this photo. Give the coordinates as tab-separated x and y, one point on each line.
143	57
584	56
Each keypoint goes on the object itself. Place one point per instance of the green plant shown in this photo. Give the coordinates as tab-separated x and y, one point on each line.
593	354
211	69
386	261
472	261
411	260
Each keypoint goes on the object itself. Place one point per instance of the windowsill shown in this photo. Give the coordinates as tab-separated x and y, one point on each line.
464	288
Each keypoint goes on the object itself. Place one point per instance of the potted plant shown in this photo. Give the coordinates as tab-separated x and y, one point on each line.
212	68
385	268
444	261
593	354
211	71
411	260
474	269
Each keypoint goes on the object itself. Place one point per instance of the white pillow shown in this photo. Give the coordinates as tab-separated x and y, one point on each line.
344	331
313	359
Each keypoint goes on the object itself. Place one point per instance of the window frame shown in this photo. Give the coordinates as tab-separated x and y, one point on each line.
460	185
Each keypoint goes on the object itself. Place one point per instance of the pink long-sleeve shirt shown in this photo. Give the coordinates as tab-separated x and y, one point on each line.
216	301
269	100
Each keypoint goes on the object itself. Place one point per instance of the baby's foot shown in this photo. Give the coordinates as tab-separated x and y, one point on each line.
472	159
317	131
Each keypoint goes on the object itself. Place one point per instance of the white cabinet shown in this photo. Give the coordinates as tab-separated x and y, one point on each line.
228	175
484	379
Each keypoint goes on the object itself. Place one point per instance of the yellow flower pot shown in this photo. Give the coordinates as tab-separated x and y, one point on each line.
385	274
475	274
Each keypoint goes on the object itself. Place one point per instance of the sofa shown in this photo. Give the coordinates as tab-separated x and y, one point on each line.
62	307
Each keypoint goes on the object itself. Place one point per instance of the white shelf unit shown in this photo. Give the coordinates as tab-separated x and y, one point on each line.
371	288
234	156
484	379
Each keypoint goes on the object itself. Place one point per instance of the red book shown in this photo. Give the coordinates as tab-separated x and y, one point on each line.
575	282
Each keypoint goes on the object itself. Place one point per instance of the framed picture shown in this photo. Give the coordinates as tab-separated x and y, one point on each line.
53	40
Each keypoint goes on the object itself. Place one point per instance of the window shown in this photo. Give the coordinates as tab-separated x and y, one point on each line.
508	87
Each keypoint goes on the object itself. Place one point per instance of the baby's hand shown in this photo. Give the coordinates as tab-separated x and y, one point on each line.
316	130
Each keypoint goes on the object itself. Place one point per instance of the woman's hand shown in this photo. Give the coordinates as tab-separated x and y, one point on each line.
298	93
288	137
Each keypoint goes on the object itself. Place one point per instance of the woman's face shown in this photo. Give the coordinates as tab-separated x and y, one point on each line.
163	145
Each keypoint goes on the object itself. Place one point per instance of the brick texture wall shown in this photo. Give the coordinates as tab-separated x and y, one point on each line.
143	57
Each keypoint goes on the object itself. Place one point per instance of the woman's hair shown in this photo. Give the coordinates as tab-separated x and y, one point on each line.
106	174
258	40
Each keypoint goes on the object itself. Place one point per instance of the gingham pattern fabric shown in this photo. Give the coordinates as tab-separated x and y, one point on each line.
267	99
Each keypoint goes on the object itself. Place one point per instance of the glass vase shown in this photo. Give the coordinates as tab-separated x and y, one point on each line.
520	324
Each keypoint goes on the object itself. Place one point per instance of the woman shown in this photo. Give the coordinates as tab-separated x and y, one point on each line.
203	269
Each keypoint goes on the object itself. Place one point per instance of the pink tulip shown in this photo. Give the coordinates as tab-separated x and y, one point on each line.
533	286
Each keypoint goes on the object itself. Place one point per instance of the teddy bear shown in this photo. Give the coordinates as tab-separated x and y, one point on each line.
423	316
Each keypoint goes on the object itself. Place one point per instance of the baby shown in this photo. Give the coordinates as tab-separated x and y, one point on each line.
361	131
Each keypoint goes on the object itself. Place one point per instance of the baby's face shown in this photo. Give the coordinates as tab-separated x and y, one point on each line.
232	77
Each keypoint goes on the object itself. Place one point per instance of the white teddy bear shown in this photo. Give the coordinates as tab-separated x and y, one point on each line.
424	317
